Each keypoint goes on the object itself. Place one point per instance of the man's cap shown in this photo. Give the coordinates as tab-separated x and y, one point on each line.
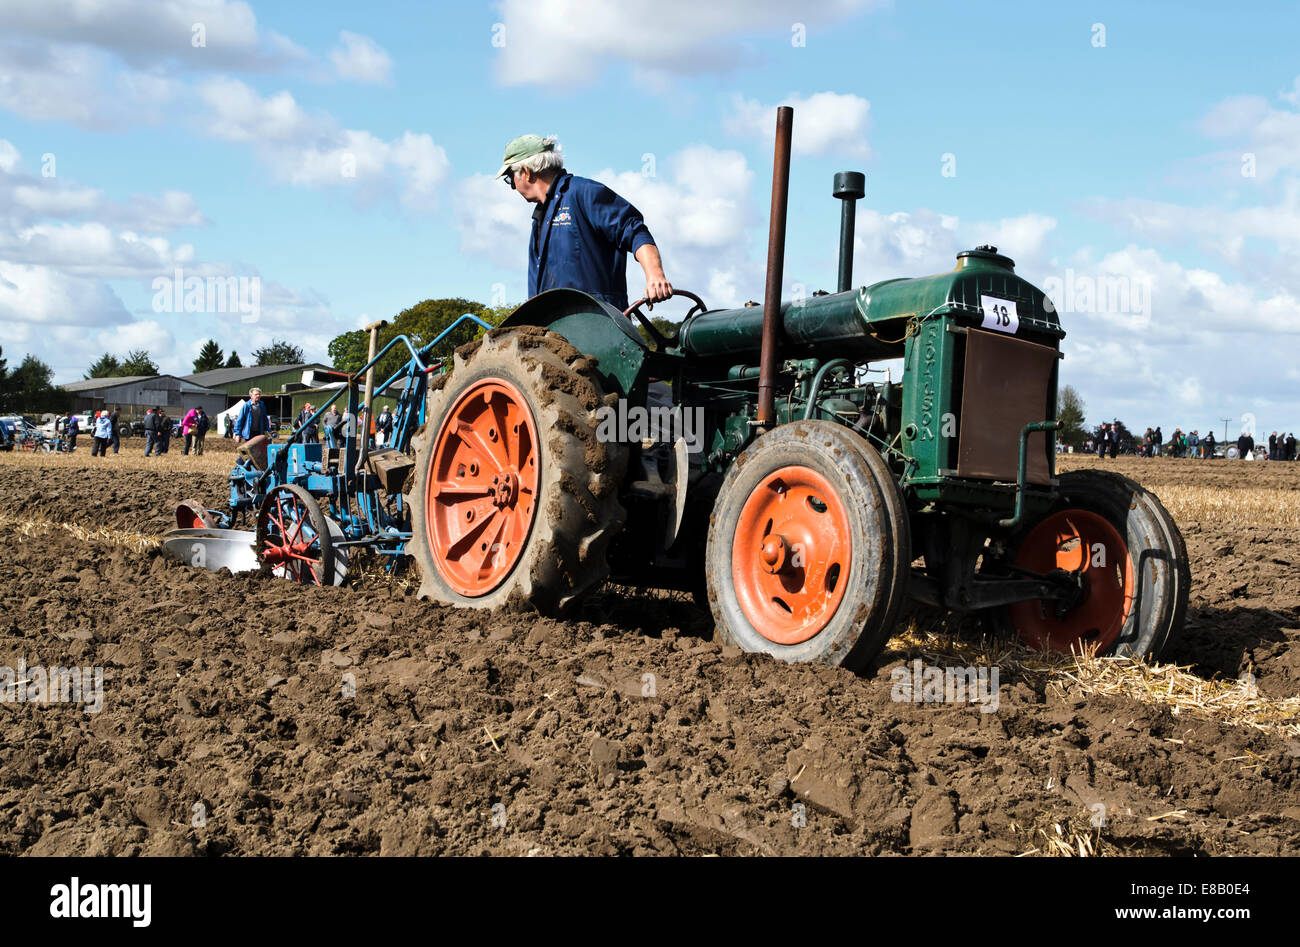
525	146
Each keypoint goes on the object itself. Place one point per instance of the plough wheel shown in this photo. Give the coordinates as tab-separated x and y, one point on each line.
808	548
293	537
1132	559
515	499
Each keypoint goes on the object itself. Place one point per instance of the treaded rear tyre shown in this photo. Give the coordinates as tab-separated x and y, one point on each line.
576	512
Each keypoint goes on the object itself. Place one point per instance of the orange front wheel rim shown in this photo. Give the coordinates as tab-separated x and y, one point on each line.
481	498
791	555
1082	542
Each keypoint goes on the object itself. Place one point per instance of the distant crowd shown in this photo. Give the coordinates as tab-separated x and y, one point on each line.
1152	444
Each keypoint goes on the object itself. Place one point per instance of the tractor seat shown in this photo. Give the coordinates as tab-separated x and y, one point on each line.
255	450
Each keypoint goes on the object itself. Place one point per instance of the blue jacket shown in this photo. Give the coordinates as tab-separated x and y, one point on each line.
250	423
580	240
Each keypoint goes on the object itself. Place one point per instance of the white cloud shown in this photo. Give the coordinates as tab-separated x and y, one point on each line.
567	42
493	220
9	156
1254	127
313	151
42	294
825	123
360	58
146	33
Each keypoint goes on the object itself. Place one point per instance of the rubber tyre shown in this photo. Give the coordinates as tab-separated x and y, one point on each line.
1162	578
578	511
266	531
879	539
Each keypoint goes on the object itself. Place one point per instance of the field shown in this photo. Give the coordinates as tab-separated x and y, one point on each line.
244	715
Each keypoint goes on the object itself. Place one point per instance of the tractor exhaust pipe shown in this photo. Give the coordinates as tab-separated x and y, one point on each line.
850	187
775	269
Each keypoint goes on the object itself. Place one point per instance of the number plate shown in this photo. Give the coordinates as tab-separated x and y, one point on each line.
999	314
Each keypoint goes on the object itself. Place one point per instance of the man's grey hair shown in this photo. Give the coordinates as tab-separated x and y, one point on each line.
551	160
254	391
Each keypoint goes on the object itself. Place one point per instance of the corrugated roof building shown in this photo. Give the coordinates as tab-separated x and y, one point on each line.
132	395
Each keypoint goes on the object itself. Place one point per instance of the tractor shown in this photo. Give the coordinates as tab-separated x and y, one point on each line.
800	490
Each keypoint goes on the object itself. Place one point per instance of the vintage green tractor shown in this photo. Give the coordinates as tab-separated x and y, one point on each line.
758	459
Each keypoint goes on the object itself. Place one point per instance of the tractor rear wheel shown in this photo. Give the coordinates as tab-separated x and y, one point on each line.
515	499
809	547
1133	561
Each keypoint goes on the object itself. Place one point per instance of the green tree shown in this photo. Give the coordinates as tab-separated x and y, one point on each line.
1069	411
31	388
423	323
106	366
666	327
4	382
138	362
210	357
233	361
278	353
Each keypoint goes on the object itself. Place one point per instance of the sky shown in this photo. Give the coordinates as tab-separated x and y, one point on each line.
324	165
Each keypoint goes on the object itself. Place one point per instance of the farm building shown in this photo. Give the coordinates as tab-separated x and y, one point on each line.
278	384
134	394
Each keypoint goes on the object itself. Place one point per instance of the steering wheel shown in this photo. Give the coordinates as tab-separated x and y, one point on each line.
660	343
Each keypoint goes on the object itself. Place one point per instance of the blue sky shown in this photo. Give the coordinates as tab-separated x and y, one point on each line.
1153	148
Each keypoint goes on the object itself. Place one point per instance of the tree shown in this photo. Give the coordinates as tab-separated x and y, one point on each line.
106	366
278	353
210	357
233	361
423	323
1069	411
31	388
138	362
666	327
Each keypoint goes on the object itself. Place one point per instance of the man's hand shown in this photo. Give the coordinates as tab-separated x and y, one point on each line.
657	287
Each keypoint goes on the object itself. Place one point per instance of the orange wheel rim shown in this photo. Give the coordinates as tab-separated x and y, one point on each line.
791	555
481	498
1084	542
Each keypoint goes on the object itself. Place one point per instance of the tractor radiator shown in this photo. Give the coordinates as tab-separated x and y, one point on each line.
1007	384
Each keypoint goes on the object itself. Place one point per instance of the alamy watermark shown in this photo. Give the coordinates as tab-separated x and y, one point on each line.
915	683
57	685
1100	293
664	424
211	294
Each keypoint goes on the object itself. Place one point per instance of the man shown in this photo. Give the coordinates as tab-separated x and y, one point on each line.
1207	445
384	425
150	431
309	433
582	231
200	431
1272	446
164	430
332	421
1245	444
115	419
1290	446
252	419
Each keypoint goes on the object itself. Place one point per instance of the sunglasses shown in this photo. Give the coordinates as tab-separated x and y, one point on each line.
510	179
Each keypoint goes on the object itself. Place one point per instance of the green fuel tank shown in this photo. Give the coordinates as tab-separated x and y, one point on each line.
874	321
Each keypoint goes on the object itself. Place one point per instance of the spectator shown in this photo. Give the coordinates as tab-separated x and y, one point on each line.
310	432
1193	445
73	427
200	432
1207	446
332	421
150	431
1290	446
103	432
1272	446
164	430
253	419
187	428
1245	444
349	427
1158	442
384	425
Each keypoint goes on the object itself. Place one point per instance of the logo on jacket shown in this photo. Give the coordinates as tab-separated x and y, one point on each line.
562	216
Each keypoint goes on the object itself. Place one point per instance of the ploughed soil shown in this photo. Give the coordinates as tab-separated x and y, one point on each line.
245	715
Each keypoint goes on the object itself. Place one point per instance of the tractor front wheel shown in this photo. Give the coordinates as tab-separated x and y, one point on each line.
809	547
1131	559
515	498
